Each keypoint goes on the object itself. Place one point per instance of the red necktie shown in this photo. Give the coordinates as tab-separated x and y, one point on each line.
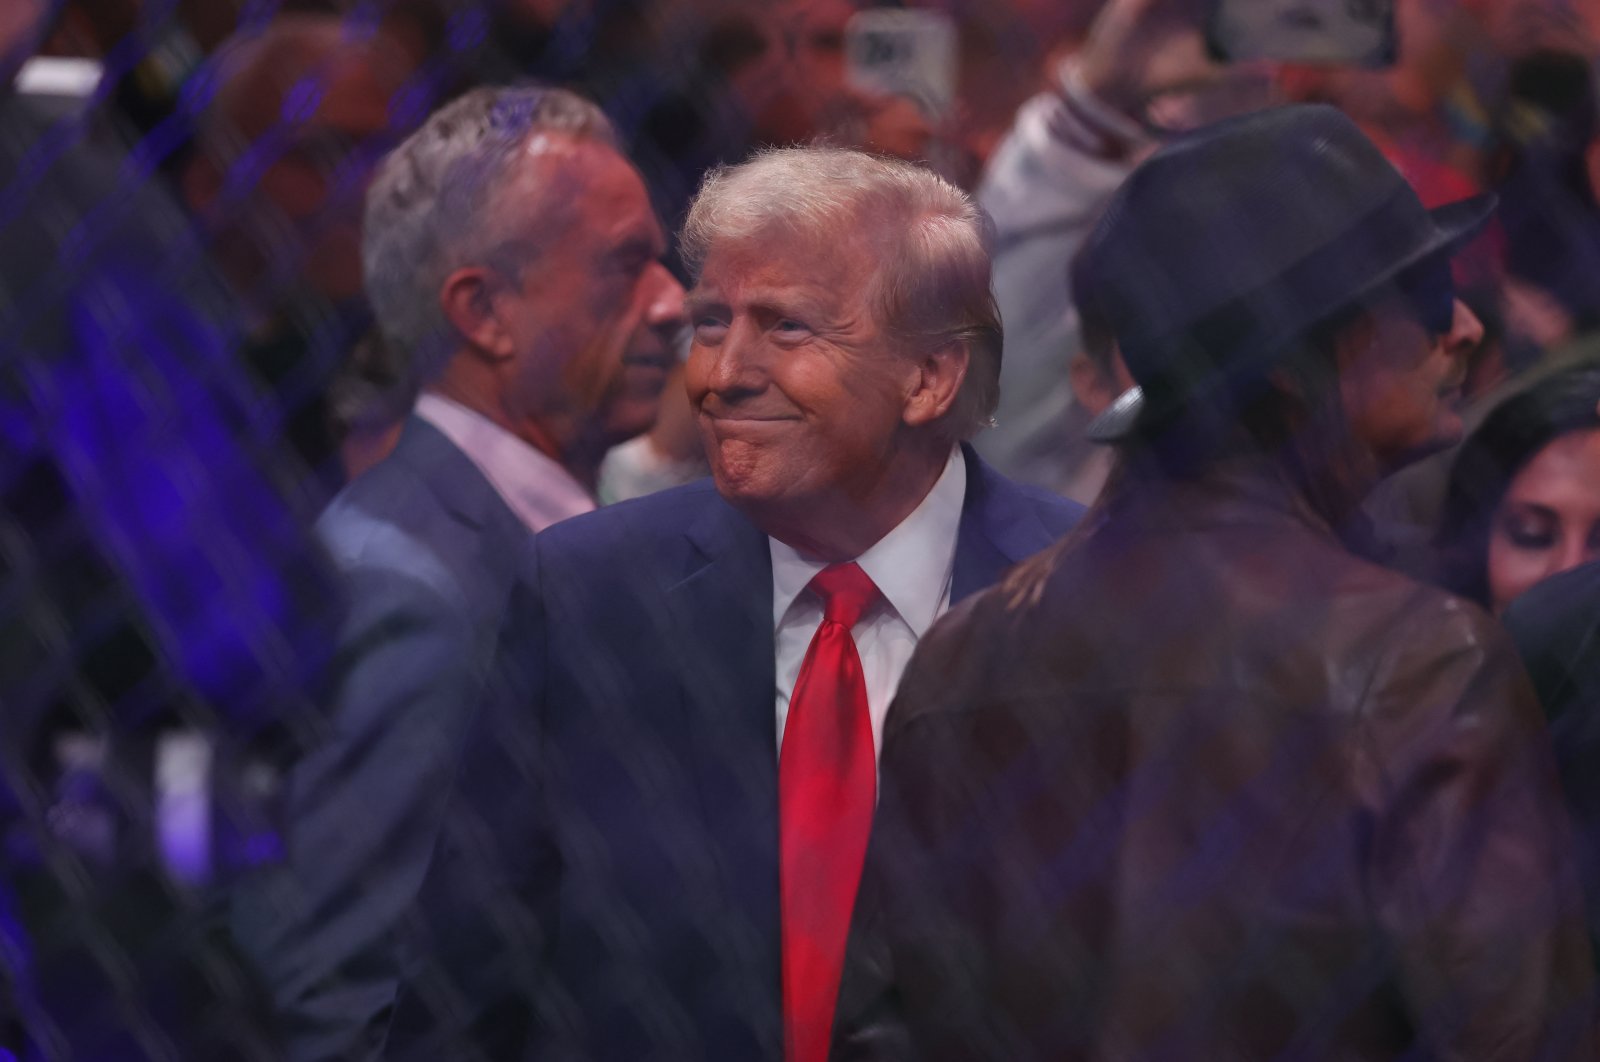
826	783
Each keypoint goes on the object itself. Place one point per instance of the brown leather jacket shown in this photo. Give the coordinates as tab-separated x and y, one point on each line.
1206	786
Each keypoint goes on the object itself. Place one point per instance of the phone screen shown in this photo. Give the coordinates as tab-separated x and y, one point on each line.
904	53
1344	32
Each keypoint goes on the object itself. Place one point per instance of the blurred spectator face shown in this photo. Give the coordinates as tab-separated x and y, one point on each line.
313	111
899	128
815	36
747	56
1400	383
798	389
21	23
884	125
318	181
595	319
809	36
1549	519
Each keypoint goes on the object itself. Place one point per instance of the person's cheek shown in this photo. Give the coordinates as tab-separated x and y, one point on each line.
1512	570
591	373
594	367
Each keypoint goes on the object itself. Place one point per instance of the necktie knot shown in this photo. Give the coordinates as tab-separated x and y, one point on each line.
846	591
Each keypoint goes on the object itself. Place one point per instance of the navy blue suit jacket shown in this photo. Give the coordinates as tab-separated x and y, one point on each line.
614	850
430	559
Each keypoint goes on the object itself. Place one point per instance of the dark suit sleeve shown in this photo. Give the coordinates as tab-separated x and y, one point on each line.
1471	871
485	910
364	810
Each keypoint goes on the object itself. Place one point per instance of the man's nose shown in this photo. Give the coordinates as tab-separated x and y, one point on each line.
734	365
1466	331
664	306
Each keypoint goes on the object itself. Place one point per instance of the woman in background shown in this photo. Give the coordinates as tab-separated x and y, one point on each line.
1521	535
1523	500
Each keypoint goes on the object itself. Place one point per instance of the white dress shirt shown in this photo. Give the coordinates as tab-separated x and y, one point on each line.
911	565
536	488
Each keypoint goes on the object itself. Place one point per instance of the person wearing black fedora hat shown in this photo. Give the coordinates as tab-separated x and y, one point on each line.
1201	782
1237	243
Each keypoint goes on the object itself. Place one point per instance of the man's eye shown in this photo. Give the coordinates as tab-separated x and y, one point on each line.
708	328
789	325
632	266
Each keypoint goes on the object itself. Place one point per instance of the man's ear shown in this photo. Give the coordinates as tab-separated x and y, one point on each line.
938	380
468	299
1089	385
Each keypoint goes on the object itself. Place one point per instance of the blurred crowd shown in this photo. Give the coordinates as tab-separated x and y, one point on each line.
435	435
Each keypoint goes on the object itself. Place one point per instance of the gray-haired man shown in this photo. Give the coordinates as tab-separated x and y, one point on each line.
512	252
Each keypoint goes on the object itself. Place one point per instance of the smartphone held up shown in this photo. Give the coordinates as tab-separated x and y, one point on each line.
909	53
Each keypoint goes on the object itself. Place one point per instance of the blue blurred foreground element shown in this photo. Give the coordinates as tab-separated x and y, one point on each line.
162	611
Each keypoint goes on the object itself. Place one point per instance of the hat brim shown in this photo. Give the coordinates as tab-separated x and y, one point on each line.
1454	224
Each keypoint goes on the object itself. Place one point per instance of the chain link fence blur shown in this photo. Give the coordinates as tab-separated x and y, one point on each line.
188	374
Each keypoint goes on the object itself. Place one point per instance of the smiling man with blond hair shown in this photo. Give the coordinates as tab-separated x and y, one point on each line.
714	662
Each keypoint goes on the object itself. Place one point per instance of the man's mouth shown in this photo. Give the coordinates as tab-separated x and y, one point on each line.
738	418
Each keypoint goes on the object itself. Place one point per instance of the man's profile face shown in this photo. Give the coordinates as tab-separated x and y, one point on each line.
799	393
596	315
1401	385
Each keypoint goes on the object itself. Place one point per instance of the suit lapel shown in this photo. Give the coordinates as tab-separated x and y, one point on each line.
999	527
721	635
723	616
458	483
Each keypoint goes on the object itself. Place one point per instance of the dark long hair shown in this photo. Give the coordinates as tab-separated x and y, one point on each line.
1292	427
1509	437
1289	417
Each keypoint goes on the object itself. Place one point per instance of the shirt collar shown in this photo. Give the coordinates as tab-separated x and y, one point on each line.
533	486
911	565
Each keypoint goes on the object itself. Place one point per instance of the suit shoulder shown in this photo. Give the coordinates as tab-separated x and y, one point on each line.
387	495
638	521
1059	514
391	528
994	489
